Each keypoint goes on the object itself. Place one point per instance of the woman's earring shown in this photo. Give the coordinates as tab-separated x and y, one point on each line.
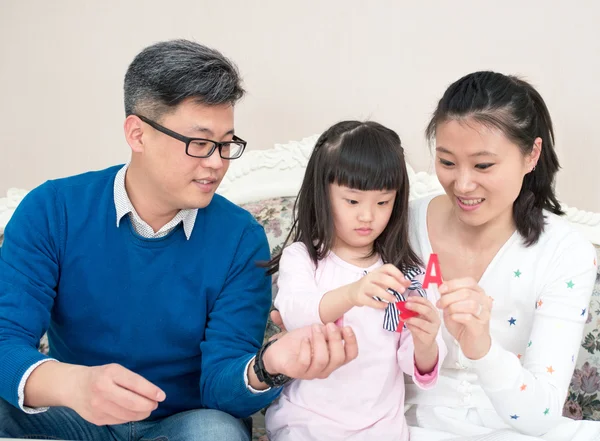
533	169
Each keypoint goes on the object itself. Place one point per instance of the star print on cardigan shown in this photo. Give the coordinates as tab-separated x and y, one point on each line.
512	321
583	311
519	356
550	370
570	284
523	387
514	417
573	358
547	411
529	344
539	304
517	273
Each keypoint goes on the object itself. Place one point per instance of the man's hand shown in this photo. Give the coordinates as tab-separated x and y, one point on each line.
112	394
102	395
311	352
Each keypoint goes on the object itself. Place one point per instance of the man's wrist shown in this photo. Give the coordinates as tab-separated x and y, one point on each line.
268	375
253	382
268	361
61	377
71	379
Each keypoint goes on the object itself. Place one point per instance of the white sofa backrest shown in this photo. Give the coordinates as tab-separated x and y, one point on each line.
278	172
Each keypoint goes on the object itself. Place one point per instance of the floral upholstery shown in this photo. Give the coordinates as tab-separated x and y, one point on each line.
275	215
583	401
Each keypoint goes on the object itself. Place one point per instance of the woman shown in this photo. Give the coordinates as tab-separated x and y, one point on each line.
517	277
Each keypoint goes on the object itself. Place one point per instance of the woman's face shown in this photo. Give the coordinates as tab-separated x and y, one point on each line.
481	170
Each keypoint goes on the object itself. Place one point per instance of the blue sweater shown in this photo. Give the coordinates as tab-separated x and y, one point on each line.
187	315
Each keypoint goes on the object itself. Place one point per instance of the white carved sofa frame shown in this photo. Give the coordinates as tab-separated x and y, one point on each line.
278	172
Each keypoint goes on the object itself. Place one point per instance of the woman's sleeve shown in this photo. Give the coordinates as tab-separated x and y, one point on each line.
529	392
298	297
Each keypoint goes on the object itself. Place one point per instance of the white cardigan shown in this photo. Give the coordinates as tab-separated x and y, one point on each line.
540	297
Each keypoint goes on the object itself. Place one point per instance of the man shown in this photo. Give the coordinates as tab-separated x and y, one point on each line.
147	282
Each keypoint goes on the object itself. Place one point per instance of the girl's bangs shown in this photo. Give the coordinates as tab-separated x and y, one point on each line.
367	161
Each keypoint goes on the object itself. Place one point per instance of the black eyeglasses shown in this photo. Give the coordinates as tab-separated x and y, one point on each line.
201	147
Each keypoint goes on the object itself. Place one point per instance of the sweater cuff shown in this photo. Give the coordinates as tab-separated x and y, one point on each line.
23	382
429	380
241	400
498	369
247	381
15	363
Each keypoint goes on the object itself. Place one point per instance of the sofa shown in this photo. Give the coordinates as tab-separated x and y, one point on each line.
265	183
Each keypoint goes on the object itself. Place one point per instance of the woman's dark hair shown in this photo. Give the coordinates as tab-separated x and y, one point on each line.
513	106
362	156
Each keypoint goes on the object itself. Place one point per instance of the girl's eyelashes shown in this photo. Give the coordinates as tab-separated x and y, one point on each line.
484	166
383	203
445	162
351	201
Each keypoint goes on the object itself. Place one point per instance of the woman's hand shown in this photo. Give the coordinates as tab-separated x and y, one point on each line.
424	329
467	311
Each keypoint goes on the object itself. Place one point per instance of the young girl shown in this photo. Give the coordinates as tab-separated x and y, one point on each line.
349	247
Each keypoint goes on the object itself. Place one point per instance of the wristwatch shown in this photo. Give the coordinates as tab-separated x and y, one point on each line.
277	380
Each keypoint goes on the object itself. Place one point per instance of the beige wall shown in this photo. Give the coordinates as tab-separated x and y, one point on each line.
306	65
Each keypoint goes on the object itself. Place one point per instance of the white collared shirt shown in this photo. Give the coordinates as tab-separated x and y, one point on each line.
124	206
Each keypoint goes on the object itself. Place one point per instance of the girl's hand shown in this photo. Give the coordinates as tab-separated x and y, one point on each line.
376	283
424	329
425	326
467	311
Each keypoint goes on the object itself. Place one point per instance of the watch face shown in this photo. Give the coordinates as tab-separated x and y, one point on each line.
280	380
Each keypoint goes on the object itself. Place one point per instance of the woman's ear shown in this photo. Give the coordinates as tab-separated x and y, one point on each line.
535	154
134	131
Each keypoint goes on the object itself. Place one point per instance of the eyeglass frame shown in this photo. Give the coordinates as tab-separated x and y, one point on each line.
187	140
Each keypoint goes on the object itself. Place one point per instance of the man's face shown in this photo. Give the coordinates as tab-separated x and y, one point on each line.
179	180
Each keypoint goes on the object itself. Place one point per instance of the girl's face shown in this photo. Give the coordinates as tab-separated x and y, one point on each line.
481	170
359	217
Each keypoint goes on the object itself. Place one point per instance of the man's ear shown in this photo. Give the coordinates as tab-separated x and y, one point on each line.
134	133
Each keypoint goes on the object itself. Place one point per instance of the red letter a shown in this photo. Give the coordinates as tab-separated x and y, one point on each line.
429	277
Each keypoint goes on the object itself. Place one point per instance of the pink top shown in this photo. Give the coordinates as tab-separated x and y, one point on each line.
363	400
